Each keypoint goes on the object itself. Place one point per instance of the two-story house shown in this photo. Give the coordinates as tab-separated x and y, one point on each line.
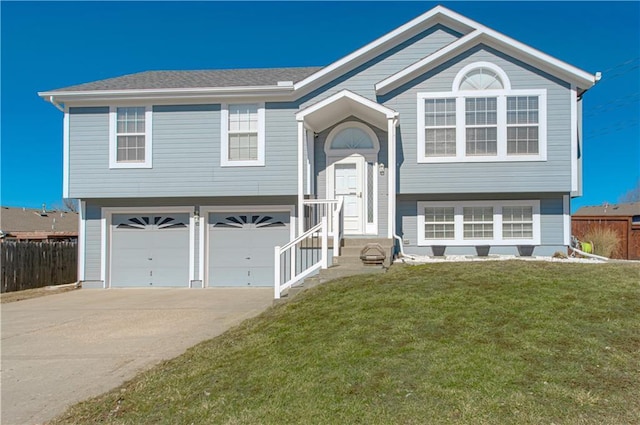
443	134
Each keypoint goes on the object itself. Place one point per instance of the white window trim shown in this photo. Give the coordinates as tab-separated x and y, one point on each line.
497	223
501	155
224	138
148	140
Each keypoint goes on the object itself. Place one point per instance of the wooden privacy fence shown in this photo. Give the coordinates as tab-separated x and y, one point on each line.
27	265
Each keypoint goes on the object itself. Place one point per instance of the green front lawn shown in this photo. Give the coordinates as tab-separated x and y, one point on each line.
464	343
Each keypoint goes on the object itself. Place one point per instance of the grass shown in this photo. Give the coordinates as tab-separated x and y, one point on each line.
468	343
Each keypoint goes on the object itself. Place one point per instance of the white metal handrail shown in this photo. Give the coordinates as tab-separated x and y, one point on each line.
286	275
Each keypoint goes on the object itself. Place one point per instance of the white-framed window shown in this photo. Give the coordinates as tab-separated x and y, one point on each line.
439	223
471	223
517	222
484	120
130	139
440	127
477	222
242	135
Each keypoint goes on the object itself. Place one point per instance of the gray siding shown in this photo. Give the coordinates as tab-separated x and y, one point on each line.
362	79
186	156
93	243
554	175
551	223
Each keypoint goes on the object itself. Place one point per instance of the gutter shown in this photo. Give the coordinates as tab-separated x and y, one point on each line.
56	104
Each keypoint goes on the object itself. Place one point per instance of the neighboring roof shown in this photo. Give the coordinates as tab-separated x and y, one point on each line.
13	220
613	210
197	79
241	82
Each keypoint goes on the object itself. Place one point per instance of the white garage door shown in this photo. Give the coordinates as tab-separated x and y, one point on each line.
150	250
241	247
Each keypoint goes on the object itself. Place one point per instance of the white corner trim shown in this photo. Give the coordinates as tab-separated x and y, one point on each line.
201	249
574	139
566	215
455	87
192	254
65	153
459	239
148	139
82	232
300	175
391	169
224	137
104	251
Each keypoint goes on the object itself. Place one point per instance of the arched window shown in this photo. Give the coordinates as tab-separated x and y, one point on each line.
481	79
352	138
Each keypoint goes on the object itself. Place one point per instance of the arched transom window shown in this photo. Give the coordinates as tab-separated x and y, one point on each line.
352	138
481	79
482	119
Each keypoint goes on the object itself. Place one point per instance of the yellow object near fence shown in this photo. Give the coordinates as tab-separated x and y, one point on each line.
587	247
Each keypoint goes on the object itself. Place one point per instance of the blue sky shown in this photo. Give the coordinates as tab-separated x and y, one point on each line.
49	45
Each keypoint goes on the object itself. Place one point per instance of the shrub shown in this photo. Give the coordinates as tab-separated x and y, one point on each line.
605	241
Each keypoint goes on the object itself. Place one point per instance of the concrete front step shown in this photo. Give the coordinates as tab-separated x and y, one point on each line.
361	242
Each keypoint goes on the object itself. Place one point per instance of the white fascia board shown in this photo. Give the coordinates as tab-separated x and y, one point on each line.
182	93
492	38
438	14
419	67
582	78
387	112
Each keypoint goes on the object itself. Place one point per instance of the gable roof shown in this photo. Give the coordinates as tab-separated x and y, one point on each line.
243	82
14	220
196	79
614	210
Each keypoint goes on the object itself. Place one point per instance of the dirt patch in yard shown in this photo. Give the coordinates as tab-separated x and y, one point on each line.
10	297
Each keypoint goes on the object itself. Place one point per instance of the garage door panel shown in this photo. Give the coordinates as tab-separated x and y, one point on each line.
150	250
241	247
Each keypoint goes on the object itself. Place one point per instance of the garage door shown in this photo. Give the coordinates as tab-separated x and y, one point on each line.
241	247
150	250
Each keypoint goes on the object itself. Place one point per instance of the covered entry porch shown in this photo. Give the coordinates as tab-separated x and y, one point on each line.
346	145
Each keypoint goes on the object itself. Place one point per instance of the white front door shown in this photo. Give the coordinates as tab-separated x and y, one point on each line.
348	180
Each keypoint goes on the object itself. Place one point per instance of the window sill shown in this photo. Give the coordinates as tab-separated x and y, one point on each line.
477	242
129	165
467	159
242	164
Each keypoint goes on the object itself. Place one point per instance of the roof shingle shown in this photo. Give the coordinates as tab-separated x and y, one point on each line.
197	79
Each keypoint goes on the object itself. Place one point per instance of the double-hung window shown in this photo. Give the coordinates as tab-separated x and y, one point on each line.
470	223
482	119
130	137
439	223
242	135
440	127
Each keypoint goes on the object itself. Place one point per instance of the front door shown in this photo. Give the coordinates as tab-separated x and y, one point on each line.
348	184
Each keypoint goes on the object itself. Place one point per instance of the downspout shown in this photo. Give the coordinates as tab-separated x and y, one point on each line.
393	211
56	104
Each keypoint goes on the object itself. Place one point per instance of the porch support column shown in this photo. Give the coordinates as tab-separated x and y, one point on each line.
300	219
391	144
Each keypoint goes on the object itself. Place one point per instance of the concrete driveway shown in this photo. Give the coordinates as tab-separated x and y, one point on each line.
64	348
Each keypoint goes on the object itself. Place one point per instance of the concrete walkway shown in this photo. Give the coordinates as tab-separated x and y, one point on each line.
64	348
